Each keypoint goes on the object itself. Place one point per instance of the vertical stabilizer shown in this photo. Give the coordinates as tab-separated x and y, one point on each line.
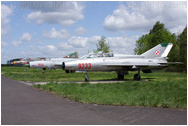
160	50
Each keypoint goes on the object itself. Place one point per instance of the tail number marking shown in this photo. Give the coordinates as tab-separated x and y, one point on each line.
84	65
40	64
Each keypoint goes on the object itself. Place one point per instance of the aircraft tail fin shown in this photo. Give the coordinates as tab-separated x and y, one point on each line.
160	50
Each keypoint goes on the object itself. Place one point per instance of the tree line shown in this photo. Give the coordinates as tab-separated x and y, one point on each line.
159	34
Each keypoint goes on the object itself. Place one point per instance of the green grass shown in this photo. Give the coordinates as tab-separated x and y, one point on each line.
134	93
163	89
36	75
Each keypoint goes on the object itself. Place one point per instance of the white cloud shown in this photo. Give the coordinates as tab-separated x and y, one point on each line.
123	45
26	37
63	13
65	45
40	51
142	16
54	34
5	13
16	43
83	41
94	39
119	41
78	41
122	19
80	30
178	30
4	44
49	48
43	51
81	45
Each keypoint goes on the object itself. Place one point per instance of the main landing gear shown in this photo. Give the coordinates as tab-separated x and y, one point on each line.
137	76
43	70
122	73
120	76
86	78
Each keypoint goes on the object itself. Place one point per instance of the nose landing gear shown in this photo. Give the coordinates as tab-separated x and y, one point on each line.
43	70
137	76
86	78
120	77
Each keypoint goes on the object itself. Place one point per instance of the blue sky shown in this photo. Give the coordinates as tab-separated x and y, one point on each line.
54	29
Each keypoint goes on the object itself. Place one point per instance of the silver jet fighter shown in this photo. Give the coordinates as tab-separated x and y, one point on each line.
55	63
52	63
151	60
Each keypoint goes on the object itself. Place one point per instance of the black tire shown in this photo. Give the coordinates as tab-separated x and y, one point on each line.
66	71
86	79
72	71
137	77
120	77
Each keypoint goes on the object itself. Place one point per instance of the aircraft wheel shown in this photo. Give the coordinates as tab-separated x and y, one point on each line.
27	68
66	71
120	77
43	70
137	77
72	71
86	78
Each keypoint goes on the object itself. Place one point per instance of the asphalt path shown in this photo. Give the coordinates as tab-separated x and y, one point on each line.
22	104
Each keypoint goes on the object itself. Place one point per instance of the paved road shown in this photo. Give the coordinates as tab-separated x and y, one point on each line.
21	104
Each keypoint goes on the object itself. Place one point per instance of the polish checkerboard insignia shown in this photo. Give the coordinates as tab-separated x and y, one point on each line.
157	53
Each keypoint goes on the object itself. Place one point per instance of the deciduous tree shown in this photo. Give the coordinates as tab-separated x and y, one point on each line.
103	45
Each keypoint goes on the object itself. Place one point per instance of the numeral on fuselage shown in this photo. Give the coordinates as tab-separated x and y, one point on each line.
40	64
84	65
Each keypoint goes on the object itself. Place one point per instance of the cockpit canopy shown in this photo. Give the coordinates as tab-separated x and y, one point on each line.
97	54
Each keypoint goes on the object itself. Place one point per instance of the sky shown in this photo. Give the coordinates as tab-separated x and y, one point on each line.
33	29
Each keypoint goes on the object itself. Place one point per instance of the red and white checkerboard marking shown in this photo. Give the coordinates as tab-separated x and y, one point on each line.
157	53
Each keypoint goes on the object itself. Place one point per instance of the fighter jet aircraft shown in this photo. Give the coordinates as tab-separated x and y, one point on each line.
55	63
51	63
149	61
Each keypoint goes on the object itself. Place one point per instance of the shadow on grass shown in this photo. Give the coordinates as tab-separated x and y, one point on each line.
115	79
150	79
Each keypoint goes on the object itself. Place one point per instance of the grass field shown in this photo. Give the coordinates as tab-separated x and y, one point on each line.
163	89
